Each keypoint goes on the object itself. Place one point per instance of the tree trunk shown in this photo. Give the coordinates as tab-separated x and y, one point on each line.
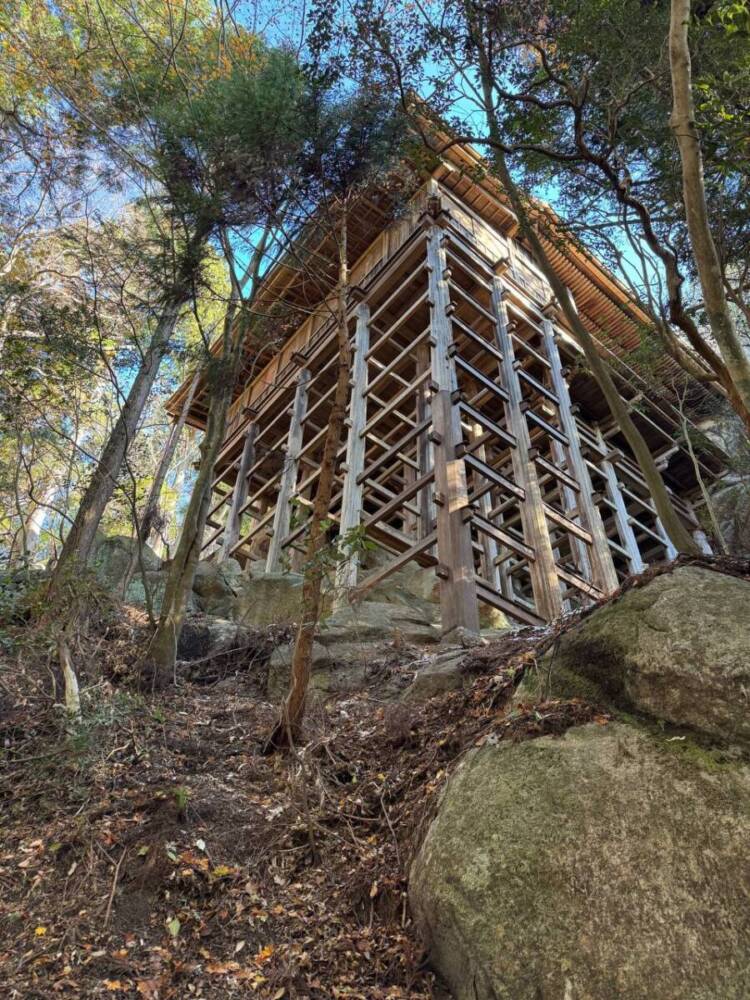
80	539
674	527
162	651
35	522
70	680
287	729
151	506
706	257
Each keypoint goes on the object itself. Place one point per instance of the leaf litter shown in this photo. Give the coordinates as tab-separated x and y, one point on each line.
162	855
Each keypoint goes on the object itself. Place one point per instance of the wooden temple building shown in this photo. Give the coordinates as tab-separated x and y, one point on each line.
477	443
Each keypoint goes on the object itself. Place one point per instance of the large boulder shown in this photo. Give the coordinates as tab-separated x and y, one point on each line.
611	862
112	555
217	584
351	640
268	599
732	508
334	669
379	621
677	648
155	581
438	675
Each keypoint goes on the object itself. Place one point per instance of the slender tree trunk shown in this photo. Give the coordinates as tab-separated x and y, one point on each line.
26	541
222	378
151	506
287	730
706	256
80	539
162	651
70	680
674	527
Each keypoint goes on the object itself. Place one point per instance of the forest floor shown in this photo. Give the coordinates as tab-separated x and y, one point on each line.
158	853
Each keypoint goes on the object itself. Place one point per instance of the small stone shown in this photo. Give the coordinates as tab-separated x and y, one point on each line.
439	676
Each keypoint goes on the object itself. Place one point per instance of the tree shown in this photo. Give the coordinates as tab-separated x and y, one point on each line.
470	85
708	264
356	142
120	70
250	182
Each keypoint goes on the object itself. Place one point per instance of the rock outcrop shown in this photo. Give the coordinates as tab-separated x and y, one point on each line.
606	863
351	640
732	509
676	649
611	862
110	562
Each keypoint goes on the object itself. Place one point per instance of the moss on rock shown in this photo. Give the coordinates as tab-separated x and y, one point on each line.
676	649
603	864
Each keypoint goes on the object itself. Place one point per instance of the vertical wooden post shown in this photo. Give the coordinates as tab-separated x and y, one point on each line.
424	448
544	580
702	541
458	592
602	567
622	518
490	548
662	533
351	501
570	509
282	514
239	494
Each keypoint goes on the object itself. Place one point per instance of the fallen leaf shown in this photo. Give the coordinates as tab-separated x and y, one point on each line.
220	968
40	931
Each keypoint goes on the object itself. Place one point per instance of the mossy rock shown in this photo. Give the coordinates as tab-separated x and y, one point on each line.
270	599
112	555
600	864
676	649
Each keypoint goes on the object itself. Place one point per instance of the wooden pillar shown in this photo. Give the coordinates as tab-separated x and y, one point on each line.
425	458
351	500
490	548
702	541
239	494
544	579
282	514
662	533
458	592
570	504
622	518
602	567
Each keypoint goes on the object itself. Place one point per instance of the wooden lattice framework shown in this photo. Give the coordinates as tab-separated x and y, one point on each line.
464	449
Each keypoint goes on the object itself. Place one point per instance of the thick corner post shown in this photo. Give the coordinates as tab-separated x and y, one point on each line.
351	501
458	593
282	513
